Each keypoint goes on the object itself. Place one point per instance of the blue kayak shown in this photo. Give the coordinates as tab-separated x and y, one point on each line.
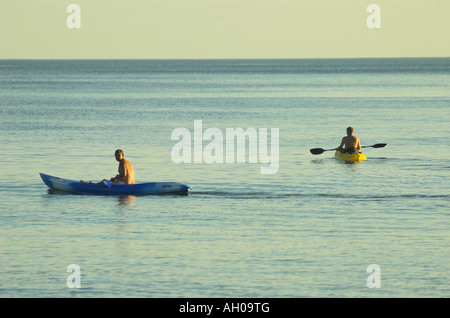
114	189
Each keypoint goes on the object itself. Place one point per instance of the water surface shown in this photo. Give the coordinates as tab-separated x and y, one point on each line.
309	230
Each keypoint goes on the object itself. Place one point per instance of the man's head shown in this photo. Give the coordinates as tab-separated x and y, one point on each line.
119	154
349	131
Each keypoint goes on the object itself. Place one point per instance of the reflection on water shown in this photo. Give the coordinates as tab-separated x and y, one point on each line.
126	200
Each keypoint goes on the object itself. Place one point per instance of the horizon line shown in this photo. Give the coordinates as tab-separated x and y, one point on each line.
224	59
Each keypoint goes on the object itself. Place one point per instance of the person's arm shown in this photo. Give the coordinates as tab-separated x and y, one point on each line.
358	145
341	145
127	174
121	173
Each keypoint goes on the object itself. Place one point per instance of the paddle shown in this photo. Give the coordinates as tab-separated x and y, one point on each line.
318	151
375	146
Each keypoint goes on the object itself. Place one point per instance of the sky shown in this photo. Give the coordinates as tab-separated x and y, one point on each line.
223	29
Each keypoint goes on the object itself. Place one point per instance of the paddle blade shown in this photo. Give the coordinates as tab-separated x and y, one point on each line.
317	151
379	145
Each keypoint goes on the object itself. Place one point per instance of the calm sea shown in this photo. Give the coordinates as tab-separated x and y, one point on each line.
309	230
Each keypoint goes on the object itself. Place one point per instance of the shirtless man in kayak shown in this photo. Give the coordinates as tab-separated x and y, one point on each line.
350	142
126	171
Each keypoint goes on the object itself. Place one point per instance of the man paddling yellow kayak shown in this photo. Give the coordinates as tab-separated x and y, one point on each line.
349	149
349	143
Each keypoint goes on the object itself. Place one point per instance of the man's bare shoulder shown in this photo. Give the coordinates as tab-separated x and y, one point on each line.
127	163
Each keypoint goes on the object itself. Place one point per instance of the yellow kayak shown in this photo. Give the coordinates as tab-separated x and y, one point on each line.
350	157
